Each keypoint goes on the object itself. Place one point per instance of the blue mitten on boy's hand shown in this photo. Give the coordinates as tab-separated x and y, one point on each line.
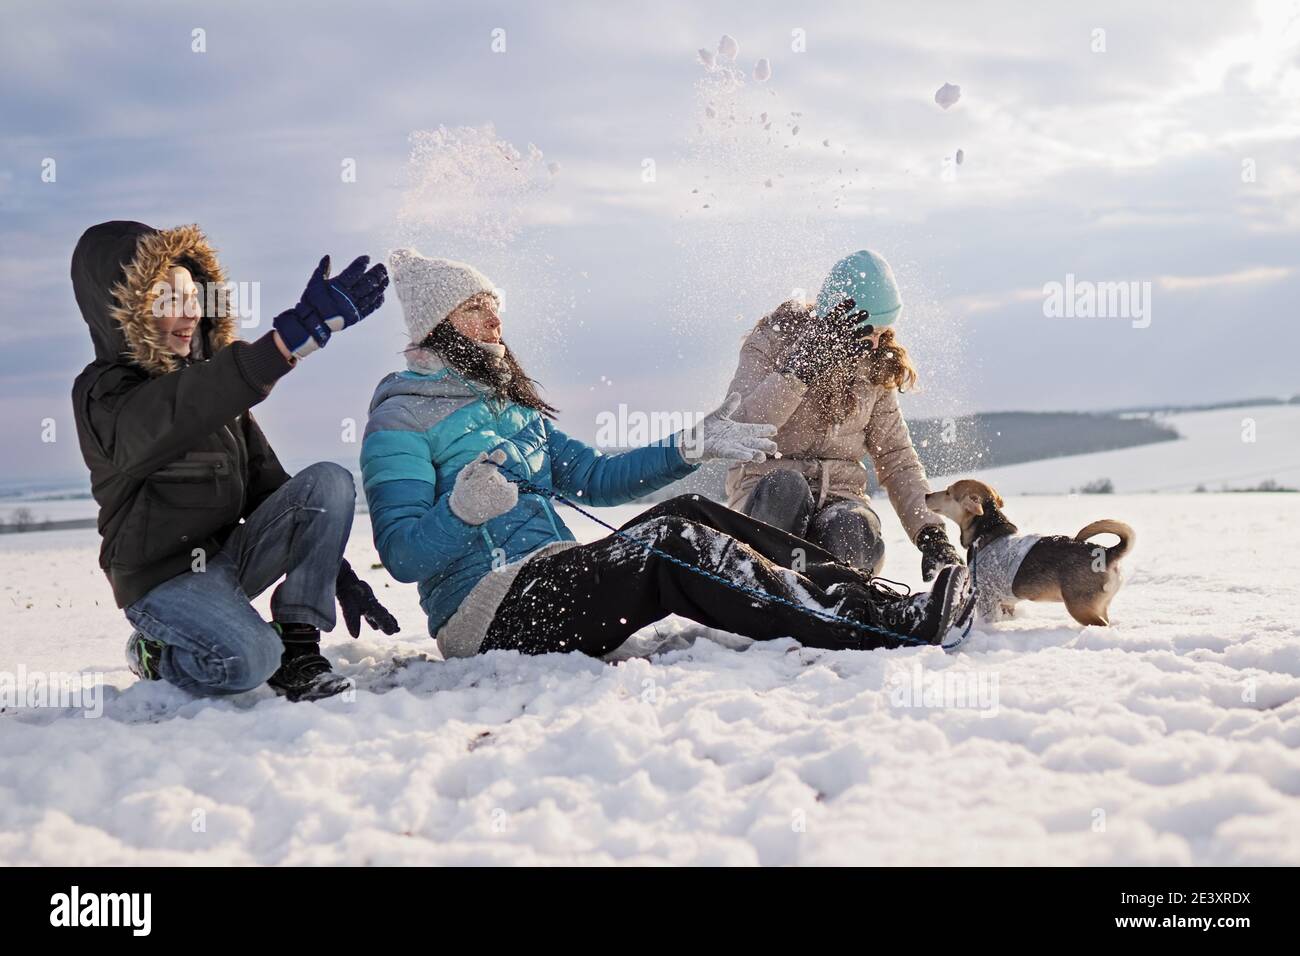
329	305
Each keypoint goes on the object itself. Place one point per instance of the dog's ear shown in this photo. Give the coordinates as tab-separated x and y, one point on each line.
972	504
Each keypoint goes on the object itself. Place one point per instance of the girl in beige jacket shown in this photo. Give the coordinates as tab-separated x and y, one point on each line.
828	376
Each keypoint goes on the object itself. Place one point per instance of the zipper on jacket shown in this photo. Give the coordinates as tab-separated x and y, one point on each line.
199	466
188	471
239	467
198	469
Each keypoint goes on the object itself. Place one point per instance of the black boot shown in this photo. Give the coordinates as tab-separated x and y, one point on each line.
304	674
924	618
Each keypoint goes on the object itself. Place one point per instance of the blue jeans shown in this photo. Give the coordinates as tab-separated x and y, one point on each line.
214	642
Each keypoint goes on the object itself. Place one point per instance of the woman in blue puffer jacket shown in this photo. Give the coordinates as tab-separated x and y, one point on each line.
449	443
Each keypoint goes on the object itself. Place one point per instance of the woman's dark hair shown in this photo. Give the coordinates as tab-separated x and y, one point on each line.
504	376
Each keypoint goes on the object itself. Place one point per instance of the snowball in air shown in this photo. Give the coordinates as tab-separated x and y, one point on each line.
947	95
728	48
762	70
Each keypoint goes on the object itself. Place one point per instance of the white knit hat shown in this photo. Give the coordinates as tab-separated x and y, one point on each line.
430	289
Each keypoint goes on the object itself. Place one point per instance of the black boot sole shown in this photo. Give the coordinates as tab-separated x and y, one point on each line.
316	684
296	695
958	605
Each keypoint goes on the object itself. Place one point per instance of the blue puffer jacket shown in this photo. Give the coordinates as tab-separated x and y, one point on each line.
424	428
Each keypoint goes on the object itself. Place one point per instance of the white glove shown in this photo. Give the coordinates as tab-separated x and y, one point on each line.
718	436
481	492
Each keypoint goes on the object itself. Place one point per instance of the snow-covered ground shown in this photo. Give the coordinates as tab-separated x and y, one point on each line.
1169	738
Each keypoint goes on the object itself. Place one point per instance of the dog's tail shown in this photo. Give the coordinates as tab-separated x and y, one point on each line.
1127	537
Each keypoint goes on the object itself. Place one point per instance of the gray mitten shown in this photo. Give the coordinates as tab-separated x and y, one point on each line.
718	435
481	492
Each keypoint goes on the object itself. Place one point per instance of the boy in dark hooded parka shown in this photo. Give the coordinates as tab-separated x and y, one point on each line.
195	511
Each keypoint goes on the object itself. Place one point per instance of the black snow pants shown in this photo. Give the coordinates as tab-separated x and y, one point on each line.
592	597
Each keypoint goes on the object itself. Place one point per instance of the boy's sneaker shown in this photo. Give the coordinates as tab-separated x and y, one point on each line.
304	673
143	656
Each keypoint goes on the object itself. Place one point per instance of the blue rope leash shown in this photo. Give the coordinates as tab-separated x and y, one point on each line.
906	639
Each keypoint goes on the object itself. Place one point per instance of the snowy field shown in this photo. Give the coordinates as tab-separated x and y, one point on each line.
1170	738
1225	447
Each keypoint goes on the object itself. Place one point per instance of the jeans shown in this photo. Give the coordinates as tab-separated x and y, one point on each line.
214	642
846	527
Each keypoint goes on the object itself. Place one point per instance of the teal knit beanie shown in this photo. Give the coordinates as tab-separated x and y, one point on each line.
864	277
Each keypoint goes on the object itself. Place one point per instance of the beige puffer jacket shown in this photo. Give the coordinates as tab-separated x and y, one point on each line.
830	457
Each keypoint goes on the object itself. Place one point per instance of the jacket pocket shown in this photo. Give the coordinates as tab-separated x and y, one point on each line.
202	479
188	502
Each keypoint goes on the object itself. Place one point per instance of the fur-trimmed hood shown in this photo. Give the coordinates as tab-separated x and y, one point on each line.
116	270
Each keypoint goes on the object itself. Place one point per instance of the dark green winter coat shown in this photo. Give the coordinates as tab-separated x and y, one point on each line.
175	457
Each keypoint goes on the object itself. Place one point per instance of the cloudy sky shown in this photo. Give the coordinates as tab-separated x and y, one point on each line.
1136	142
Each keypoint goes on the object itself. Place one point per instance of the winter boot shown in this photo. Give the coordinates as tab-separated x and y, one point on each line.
924	618
143	655
304	674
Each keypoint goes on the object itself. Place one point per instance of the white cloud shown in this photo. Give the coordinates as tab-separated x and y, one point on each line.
1250	276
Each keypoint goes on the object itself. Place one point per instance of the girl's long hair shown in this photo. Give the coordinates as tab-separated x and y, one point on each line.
504	376
834	395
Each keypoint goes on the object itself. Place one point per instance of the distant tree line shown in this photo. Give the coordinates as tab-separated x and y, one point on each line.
23	519
993	439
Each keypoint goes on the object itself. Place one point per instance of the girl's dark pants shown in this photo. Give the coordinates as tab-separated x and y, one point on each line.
592	597
846	527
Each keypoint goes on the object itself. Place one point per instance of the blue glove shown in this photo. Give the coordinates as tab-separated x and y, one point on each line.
328	305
